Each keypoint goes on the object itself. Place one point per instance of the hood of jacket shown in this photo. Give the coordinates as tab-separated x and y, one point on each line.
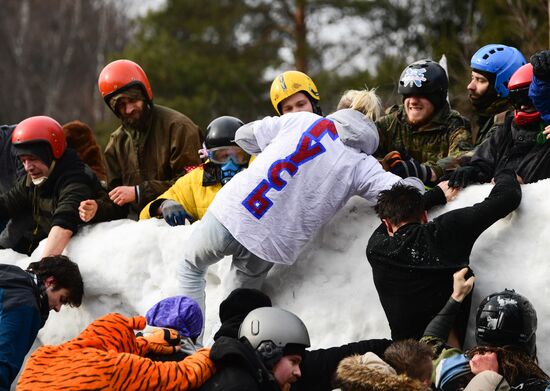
370	372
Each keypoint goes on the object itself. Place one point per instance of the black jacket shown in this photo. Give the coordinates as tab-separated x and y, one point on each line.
239	368
318	366
10	166
413	270
513	147
56	201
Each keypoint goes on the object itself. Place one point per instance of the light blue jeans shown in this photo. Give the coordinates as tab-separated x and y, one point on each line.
210	242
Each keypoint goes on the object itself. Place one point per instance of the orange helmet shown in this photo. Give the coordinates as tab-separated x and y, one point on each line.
120	75
40	129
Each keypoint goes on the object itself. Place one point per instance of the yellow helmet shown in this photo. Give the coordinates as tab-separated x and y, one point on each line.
290	82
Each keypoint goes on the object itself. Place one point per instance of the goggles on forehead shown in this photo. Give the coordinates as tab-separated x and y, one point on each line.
221	155
519	98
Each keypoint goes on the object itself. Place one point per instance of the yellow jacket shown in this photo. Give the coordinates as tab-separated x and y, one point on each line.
189	192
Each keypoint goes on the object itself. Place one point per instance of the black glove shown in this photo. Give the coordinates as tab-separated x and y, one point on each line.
541	65
411	167
464	176
174	214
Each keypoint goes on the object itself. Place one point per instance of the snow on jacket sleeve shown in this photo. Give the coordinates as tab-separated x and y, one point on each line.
460	228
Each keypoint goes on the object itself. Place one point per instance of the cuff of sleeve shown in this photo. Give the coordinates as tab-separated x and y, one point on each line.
66	221
154	207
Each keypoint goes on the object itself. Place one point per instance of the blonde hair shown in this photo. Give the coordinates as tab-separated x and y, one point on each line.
366	101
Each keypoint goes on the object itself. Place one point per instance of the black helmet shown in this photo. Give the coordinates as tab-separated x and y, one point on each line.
507	318
221	132
425	78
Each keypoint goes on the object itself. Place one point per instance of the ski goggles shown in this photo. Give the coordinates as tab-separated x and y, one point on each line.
221	155
520	97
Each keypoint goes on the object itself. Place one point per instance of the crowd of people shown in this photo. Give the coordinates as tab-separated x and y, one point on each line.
259	192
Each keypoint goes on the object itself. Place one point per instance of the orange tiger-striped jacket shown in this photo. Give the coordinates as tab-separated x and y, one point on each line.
108	356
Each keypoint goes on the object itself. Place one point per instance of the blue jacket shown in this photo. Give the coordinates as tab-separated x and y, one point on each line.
539	92
24	310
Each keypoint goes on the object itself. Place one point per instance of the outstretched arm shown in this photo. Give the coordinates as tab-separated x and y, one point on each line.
58	238
460	228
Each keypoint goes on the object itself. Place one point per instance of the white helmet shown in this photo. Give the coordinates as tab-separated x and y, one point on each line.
274	333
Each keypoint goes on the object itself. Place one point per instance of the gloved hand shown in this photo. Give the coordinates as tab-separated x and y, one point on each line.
163	341
541	65
412	167
174	214
464	176
391	159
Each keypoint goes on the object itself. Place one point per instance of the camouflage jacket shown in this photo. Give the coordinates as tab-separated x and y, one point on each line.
446	135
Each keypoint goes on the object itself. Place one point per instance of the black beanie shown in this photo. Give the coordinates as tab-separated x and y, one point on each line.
40	149
241	301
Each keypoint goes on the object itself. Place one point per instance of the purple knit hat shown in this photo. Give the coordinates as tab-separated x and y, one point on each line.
180	313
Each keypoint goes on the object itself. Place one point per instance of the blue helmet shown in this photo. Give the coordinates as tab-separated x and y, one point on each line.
501	60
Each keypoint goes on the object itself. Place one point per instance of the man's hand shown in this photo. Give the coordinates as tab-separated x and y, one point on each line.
87	210
391	159
174	214
484	362
546	132
122	195
461	286
450	192
463	176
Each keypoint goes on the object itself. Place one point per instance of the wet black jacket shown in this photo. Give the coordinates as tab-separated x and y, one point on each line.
239	368
514	147
413	270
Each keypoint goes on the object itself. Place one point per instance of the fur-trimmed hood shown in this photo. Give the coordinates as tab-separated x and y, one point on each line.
370	373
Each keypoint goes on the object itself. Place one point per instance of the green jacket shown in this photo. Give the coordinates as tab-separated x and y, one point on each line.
155	158
447	134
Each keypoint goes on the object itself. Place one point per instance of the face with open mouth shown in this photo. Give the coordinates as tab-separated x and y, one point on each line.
419	109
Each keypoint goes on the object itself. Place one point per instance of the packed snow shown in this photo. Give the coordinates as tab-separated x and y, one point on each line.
128	266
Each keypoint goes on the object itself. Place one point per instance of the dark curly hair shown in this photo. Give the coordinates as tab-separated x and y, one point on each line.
514	365
65	273
400	204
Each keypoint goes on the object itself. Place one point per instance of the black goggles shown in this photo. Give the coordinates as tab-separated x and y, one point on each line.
519	98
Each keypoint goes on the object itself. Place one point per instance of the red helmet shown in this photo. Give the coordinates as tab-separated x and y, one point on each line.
119	75
519	95
41	129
